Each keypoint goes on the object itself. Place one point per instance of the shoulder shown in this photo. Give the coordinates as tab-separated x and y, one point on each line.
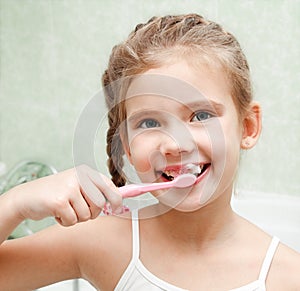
104	248
102	234
284	270
288	261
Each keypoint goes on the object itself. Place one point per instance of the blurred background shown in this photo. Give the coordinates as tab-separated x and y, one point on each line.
52	56
53	53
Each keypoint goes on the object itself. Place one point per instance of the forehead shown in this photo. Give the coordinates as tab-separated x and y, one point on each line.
180	83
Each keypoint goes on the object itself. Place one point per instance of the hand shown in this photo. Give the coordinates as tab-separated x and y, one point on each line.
71	196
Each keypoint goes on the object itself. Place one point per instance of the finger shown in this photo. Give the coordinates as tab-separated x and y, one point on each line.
95	211
81	208
93	208
89	179
109	190
65	214
92	194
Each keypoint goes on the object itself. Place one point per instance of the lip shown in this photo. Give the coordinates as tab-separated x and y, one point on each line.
181	166
181	170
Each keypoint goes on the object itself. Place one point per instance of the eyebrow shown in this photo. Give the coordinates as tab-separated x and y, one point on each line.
206	104
142	114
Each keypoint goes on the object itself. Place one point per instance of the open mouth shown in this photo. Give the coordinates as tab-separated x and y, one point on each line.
195	169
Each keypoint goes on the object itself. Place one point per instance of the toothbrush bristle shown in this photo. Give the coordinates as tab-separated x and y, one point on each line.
192	169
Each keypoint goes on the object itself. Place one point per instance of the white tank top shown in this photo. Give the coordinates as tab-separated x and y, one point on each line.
136	277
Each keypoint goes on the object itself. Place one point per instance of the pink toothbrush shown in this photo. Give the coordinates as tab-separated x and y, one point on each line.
181	181
133	190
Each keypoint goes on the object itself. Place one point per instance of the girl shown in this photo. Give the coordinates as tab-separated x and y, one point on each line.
179	98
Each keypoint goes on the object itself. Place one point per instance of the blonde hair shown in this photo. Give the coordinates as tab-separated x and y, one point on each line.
149	46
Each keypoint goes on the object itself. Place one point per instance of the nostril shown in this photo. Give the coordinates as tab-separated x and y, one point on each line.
176	149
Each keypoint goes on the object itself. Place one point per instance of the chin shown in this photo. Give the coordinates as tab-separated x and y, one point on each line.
183	201
190	205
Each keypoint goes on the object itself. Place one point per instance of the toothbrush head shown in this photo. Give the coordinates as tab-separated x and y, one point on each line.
184	181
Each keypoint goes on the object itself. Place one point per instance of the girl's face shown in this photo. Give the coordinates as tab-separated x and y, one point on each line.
181	120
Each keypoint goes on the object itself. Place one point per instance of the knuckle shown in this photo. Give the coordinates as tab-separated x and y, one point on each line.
73	187
66	221
60	202
95	213
72	222
85	217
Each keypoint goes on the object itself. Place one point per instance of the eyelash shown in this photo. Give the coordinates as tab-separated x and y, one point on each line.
142	124
208	116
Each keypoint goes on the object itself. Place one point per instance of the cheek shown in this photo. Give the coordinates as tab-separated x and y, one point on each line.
225	145
145	157
224	153
227	152
216	141
139	149
233	142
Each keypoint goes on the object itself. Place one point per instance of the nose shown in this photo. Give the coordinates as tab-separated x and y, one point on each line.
177	142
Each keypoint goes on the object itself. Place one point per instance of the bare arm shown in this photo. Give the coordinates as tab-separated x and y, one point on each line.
38	260
9	217
49	256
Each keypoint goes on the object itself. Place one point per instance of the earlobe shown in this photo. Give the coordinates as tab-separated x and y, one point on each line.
251	126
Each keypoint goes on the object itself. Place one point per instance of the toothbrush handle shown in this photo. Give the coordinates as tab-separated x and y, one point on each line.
127	191
133	190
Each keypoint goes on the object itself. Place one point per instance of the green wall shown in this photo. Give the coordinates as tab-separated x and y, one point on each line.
54	51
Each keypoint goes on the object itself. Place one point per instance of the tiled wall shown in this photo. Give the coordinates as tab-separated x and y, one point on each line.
53	52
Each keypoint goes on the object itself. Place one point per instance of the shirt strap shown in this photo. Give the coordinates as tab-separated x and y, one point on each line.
135	235
268	259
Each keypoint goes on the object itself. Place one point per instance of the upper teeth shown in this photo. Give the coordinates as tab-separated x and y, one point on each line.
193	169
187	169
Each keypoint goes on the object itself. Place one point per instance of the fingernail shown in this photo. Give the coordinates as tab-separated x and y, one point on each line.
107	209
121	209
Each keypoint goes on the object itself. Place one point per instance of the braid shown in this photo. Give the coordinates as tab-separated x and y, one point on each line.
114	147
115	153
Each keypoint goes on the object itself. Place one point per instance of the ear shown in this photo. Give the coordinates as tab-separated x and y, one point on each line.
251	126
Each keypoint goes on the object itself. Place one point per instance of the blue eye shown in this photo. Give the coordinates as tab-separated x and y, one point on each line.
149	123
201	116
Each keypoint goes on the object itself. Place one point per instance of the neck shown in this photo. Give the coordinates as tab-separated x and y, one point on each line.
211	224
